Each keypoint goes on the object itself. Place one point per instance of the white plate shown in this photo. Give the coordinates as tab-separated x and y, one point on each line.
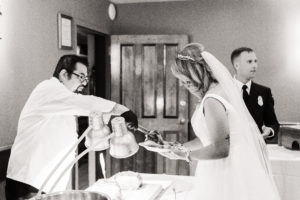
154	149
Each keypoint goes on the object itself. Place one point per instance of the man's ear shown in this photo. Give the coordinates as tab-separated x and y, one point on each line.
236	66
63	75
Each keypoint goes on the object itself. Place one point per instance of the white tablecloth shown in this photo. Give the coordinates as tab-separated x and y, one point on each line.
286	170
177	190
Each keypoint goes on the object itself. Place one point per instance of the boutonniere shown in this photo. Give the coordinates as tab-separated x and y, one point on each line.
260	101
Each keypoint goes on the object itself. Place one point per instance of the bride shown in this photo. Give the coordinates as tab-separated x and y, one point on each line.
231	153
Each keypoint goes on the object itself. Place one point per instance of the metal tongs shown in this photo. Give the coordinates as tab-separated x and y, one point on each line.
153	135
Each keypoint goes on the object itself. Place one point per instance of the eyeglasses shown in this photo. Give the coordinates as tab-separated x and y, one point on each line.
82	78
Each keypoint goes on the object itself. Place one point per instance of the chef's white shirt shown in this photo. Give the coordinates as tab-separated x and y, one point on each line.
47	130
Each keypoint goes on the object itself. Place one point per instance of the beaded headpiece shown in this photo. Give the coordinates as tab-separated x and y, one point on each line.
183	57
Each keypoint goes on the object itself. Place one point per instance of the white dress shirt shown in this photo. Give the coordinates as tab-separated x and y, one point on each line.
239	84
47	130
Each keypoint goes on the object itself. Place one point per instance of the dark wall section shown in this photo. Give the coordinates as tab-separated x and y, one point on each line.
4	155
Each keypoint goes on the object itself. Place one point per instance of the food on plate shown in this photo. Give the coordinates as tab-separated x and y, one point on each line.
154	142
151	143
165	147
128	180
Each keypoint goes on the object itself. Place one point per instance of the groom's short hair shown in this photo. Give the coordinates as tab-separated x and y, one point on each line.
237	52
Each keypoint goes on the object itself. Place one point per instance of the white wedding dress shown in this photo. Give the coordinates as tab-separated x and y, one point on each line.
241	175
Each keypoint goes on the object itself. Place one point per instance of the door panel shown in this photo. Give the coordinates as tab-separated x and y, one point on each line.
149	69
171	86
142	80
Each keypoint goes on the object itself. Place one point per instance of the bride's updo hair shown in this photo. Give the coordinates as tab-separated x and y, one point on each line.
191	66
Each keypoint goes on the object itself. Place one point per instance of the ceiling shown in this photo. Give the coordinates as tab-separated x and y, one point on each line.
142	1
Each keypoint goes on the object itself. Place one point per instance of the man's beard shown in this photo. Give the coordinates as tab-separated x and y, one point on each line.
81	89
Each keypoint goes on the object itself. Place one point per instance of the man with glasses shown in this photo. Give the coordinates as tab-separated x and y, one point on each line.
47	127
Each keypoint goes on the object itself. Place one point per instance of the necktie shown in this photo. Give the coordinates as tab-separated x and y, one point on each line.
245	93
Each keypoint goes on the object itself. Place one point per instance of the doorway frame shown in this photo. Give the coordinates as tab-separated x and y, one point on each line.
95	60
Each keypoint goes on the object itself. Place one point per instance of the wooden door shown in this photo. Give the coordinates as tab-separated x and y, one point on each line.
142	80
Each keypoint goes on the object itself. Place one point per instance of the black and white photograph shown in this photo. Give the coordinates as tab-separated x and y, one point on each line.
149	100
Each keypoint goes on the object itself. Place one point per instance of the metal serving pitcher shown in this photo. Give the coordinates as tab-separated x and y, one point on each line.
73	195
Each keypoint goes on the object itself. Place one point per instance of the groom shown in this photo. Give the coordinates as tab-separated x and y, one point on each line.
258	98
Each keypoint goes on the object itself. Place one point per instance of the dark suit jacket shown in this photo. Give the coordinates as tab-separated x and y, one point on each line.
261	106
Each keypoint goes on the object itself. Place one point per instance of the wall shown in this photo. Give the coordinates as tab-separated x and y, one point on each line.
271	28
29	49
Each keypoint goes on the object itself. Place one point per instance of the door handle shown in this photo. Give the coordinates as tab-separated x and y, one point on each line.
181	120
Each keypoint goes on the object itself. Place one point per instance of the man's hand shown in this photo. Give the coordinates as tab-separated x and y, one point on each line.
267	132
130	119
129	116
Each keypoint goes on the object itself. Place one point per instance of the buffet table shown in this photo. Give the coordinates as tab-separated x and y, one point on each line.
285	164
178	189
154	187
286	170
